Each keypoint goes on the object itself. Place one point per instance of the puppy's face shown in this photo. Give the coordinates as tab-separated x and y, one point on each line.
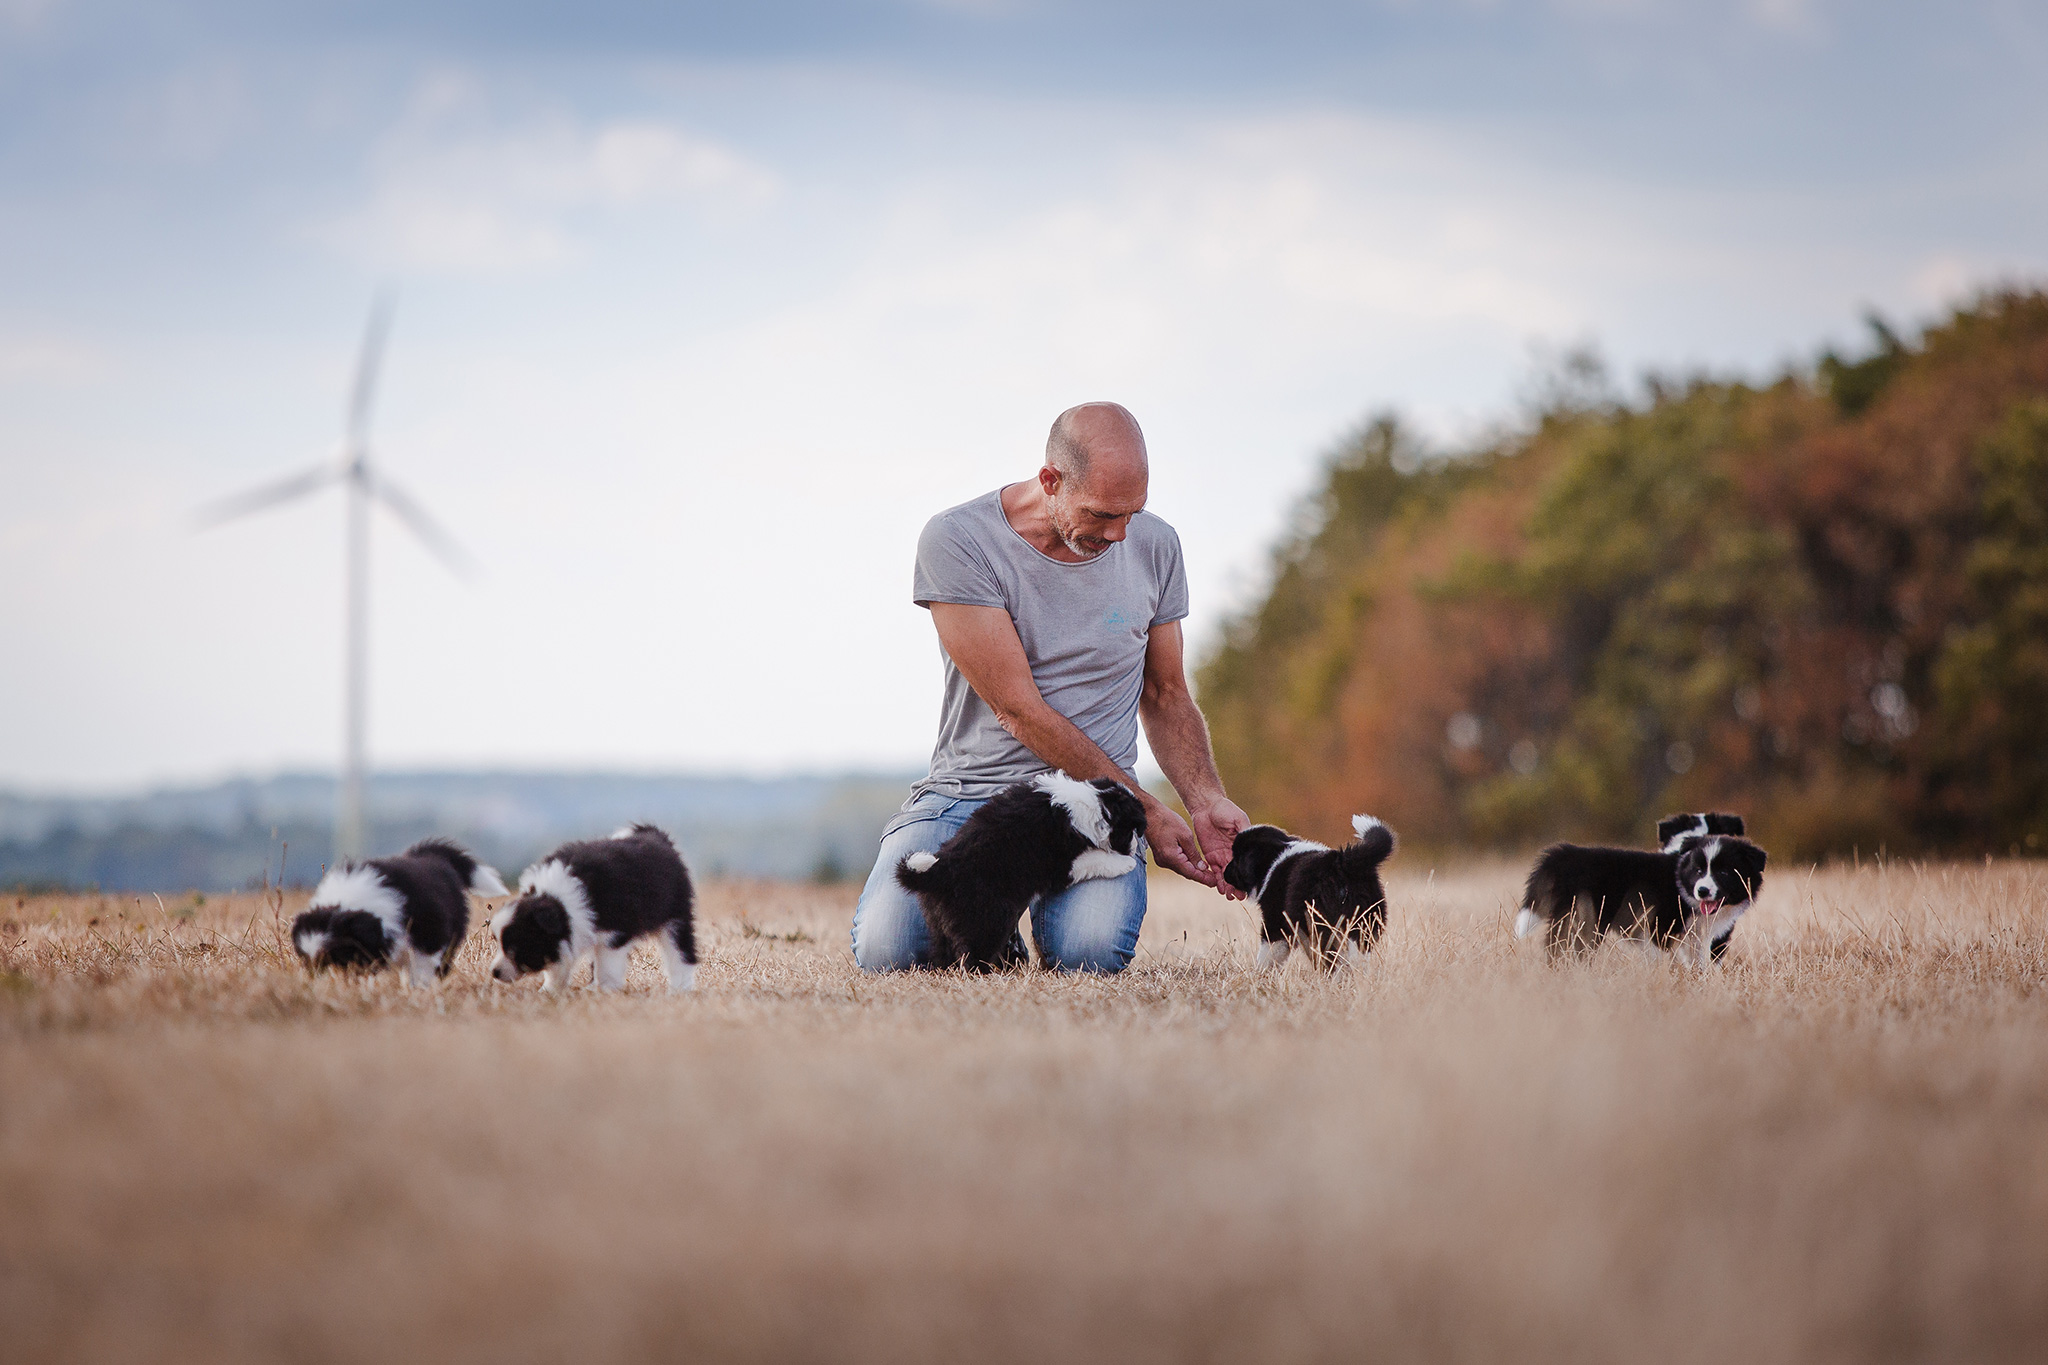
533	935
326	937
1125	811
1718	872
1252	854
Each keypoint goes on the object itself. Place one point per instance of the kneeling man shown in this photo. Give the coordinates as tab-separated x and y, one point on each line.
1058	603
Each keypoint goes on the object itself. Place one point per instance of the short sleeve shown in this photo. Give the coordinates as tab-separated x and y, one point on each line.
1172	579
951	569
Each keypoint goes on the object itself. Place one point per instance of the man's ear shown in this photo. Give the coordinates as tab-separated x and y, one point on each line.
1049	480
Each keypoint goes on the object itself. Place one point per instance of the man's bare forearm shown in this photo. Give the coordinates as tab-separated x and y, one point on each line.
1180	741
1058	741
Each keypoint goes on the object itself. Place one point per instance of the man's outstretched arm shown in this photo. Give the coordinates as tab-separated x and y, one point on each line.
983	644
1180	741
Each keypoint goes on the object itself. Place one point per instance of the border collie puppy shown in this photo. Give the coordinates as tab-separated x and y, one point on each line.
592	898
1672	830
1030	840
1673	901
1327	899
412	910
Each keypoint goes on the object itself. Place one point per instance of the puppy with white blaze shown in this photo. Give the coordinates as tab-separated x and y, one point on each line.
1676	901
1328	900
411	910
592	898
1672	831
1029	840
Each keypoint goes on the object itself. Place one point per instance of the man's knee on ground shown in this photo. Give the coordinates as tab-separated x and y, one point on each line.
1088	951
882	952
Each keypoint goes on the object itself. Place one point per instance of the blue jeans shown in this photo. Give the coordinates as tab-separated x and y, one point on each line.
1091	926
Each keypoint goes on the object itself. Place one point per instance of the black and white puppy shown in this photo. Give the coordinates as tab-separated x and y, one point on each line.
411	910
1329	900
592	898
1671	901
1033	839
1672	831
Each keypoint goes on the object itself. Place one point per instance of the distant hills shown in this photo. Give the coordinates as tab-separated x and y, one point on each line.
238	833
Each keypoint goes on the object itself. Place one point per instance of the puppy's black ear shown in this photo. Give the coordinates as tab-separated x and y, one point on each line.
1724	822
1669	826
1761	858
1126	814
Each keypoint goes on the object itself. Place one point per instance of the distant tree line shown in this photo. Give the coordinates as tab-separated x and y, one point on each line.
1822	601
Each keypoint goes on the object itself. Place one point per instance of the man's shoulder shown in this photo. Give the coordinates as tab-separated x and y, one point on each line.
1152	526
1150	532
974	514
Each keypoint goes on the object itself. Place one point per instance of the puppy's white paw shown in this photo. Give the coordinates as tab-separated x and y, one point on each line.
1100	864
920	862
1527	923
1271	954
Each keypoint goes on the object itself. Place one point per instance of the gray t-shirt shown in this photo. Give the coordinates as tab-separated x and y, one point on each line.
1084	628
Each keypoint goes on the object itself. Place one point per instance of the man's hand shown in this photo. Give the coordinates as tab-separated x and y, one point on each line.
1175	845
1217	826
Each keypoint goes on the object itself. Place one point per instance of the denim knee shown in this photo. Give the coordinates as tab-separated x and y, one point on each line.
1092	926
888	924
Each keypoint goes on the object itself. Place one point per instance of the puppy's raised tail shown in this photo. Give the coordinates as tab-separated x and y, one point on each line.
1540	896
915	872
1375	840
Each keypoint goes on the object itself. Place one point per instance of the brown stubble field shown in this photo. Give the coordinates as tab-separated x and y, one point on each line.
1836	1148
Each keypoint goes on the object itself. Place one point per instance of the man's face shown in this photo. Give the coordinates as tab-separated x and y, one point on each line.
1092	515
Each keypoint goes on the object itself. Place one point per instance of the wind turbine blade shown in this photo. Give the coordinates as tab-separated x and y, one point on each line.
368	361
430	532
268	495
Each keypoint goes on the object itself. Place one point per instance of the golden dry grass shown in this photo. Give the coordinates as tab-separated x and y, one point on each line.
1834	1149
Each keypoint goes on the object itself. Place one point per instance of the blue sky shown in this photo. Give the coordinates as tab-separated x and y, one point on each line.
703	309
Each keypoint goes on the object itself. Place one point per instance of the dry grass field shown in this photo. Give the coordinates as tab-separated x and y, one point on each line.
1834	1149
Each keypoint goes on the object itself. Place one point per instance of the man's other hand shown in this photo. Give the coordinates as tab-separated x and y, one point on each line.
1175	846
1217	826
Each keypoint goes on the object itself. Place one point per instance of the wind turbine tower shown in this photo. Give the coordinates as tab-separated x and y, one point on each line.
361	483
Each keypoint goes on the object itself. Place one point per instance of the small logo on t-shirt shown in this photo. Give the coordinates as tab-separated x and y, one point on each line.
1115	619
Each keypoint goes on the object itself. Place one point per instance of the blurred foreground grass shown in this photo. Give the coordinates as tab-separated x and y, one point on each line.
1834	1149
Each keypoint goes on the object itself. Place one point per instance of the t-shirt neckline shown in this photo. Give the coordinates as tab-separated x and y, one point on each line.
1004	518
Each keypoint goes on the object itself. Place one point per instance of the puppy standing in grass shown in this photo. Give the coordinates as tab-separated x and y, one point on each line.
1673	901
411	910
1029	841
592	899
1328	900
1672	832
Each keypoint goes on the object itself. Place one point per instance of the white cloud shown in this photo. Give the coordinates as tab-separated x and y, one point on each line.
450	195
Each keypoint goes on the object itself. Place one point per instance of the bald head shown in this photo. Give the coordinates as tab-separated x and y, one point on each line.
1097	440
1095	476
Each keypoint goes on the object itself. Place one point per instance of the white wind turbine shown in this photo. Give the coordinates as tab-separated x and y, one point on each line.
352	469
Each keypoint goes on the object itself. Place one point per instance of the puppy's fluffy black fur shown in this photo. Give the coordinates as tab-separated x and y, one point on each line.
1676	901
593	898
1328	900
412	909
1030	840
1672	831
